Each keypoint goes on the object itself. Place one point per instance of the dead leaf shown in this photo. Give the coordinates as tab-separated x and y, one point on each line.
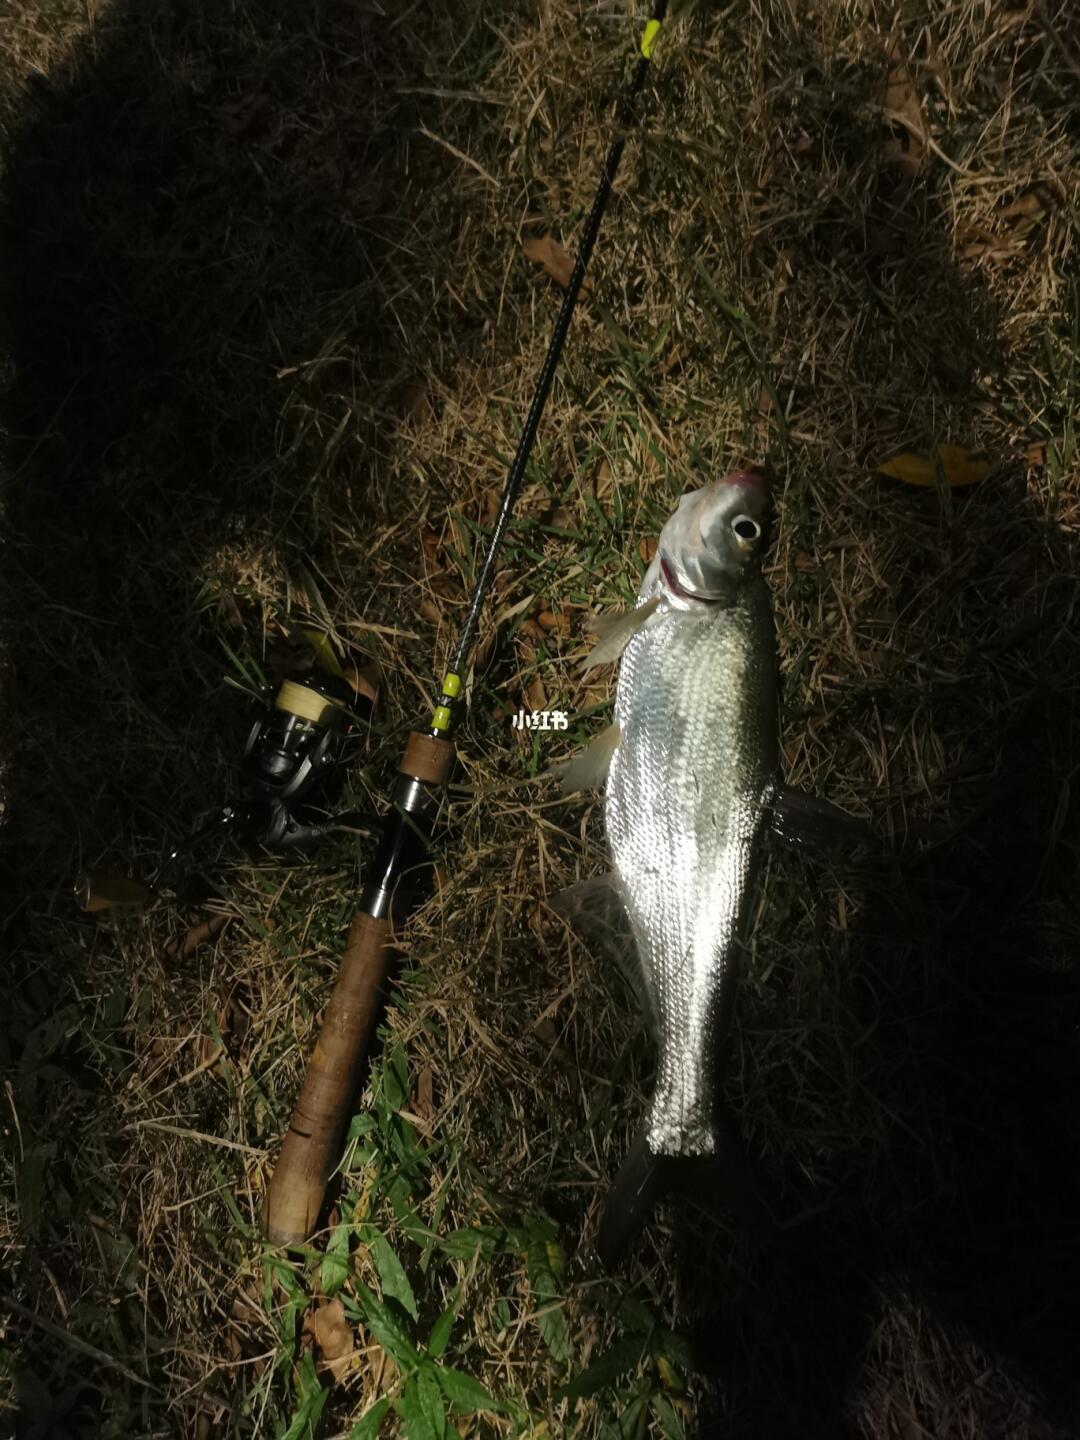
673	361
901	108
415	401
959	466
1035	455
557	620
535	694
424	1094
647	548
431	612
333	1337
532	630
546	251
182	947
446	587
1030	205
804	563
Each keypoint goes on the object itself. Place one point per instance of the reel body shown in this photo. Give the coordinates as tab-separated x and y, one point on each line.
291	769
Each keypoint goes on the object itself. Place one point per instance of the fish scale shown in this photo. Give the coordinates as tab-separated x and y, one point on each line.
687	793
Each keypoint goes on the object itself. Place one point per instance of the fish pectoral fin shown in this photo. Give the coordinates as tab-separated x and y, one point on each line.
806	821
616	632
588	770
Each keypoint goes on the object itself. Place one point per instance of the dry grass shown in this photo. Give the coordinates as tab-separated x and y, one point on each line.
271	337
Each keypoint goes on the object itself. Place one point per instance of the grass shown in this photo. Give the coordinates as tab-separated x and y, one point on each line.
270	339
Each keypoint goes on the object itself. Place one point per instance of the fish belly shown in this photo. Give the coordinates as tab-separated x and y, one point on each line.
686	795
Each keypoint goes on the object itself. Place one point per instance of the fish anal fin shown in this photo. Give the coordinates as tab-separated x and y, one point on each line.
805	821
616	632
588	769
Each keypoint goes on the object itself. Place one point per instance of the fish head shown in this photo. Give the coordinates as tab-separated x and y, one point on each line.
712	545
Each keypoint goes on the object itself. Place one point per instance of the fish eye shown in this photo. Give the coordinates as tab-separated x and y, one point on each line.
747	531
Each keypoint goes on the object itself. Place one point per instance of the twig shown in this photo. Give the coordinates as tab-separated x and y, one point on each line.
423	130
83	1346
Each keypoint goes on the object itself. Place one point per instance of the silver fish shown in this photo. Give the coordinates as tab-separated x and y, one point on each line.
692	772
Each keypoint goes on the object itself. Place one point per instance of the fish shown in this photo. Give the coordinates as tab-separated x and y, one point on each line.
690	769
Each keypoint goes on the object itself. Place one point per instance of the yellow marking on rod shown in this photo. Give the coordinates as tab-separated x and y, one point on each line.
648	38
452	684
441	719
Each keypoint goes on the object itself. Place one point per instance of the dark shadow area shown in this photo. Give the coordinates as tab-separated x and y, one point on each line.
959	988
203	217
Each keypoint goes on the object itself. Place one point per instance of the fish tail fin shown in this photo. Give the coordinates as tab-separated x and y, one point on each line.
642	1180
725	1181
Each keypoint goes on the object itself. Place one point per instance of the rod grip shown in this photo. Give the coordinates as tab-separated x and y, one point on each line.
312	1144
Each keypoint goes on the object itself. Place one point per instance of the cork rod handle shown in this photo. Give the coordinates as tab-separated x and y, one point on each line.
312	1144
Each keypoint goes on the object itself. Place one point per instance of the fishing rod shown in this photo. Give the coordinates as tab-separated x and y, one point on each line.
311	1148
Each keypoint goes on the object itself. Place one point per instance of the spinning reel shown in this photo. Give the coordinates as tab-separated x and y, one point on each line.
291	768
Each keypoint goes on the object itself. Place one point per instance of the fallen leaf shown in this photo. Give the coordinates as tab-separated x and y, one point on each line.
1030	205
959	466
804	563
546	251
535	694
901	107
1035	455
430	612
414	400
184	946
531	629
333	1336
446	587
424	1093
557	620
647	548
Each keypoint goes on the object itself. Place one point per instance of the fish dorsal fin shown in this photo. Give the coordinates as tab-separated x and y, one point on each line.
616	632
588	769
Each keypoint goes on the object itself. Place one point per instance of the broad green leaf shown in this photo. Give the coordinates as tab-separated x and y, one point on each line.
312	1399
670	1423
335	1265
463	1244
388	1331
325	658
675	1348
417	1424
959	466
440	1333
617	1361
555	1329
395	1282
368	1427
464	1393
431	1400
634	1420
551	1317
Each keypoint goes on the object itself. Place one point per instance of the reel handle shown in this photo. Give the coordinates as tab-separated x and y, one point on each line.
312	1145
